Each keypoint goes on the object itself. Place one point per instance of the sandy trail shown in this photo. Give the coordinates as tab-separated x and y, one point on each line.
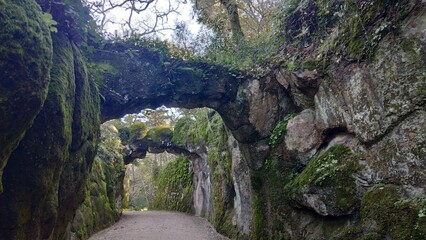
159	225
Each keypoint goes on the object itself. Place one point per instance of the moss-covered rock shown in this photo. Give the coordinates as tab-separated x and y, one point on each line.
32	176
327	184
385	213
174	187
161	134
25	62
85	134
45	178
102	205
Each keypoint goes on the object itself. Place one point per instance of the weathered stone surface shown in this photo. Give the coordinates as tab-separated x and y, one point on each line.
24	71
303	86
264	97
302	135
241	177
370	98
146	79
399	157
327	185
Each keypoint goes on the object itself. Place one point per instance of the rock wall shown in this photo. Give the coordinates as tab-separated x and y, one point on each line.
361	131
22	93
44	176
188	175
104	190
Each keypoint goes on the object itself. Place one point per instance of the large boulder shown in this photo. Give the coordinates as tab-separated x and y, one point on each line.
25	62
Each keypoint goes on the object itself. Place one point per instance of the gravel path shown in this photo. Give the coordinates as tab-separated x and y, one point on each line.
159	225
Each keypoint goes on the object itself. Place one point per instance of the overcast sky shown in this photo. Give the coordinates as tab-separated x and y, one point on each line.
185	15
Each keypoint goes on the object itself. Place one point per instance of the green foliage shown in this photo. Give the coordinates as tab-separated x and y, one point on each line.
279	130
174	186
192	129
97	72
249	54
47	17
165	49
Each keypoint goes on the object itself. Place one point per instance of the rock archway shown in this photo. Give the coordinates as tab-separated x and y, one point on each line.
196	155
140	78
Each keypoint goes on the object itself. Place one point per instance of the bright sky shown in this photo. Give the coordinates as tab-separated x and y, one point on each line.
185	14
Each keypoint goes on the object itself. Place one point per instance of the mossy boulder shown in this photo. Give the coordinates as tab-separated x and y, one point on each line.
160	135
25	62
327	185
102	203
85	135
387	214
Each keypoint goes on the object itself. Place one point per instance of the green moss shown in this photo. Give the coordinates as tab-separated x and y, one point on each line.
193	129
159	134
268	198
205	126
174	187
392	215
139	130
97	72
279	130
361	26
25	71
258	229
333	169
102	189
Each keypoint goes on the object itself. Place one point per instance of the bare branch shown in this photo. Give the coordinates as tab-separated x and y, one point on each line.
131	24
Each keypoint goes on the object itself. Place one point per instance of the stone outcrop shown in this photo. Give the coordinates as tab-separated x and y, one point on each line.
24	71
45	176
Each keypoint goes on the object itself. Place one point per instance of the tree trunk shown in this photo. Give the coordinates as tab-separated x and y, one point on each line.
234	18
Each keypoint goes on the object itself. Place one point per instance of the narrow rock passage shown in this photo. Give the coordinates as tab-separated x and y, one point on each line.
159	225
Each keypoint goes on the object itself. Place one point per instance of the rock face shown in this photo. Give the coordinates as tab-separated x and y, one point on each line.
44	177
104	191
22	92
373	108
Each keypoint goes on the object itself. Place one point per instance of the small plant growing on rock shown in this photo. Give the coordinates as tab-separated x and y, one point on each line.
279	130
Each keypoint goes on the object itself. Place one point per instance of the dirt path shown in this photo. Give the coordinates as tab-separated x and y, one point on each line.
159	225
